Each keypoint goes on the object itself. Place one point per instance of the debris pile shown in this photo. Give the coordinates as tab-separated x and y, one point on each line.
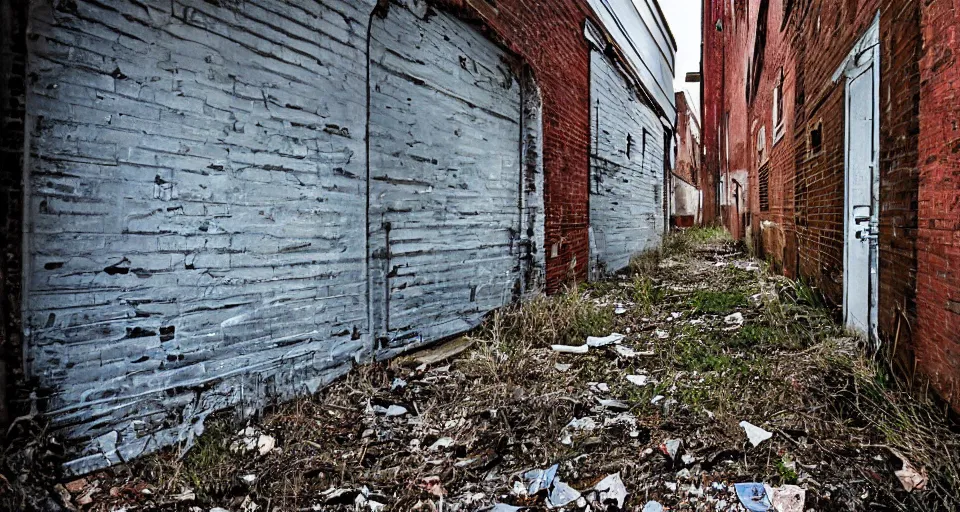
701	383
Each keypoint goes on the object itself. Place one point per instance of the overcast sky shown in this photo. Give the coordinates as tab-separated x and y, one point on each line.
684	19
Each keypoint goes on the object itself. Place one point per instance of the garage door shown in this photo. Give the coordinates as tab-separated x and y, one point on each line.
445	187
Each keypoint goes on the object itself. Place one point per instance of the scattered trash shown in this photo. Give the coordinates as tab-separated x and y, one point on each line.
619	310
599	387
756	434
754	497
736	319
639	380
562	367
248	479
540	479
657	399
500	507
603	342
611	491
582	424
910	478
671	448
443	442
652	506
789	498
433	485
662	334
251	439
561	495
390	412
615	404
398	383
567	349
629	352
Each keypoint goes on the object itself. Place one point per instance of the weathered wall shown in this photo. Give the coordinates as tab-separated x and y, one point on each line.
626	169
918	180
13	25
196	213
205	228
445	183
689	157
686	199
938	244
900	49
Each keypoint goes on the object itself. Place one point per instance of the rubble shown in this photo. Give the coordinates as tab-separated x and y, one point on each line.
648	420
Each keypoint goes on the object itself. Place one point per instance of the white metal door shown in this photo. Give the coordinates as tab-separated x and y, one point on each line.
861	190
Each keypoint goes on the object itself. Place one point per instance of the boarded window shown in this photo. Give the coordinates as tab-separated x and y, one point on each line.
765	188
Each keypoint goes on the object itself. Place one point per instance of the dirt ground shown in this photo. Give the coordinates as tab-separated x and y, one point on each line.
710	340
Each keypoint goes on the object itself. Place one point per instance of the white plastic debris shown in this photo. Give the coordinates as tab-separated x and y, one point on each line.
657	399
611	491
662	334
671	448
582	424
501	507
562	367
390	412
789	498
248	479
735	319
250	439
614	404
606	340
652	506
398	383
756	434
910	478
540	479
561	495
443	442
567	349
639	380
619	310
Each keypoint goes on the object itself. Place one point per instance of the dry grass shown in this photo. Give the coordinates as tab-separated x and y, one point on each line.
504	405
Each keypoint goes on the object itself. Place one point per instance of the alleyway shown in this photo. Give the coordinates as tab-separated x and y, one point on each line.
710	340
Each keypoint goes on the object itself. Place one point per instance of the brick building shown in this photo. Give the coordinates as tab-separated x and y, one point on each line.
838	119
685	185
224	204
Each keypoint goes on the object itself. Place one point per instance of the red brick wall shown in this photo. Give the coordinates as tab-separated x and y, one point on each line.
688	148
549	36
919	164
711	101
12	104
900	49
937	333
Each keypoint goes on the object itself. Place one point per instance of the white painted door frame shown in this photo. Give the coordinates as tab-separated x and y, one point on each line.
863	62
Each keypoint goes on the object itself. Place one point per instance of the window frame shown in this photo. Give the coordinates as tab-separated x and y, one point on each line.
779	110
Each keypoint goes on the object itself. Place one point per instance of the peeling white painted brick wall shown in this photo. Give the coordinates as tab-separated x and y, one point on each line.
626	190
445	150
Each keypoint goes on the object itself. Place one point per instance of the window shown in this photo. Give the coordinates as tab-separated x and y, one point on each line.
764	187
778	109
762	145
816	139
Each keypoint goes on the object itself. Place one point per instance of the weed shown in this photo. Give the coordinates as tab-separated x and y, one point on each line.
718	302
787	470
